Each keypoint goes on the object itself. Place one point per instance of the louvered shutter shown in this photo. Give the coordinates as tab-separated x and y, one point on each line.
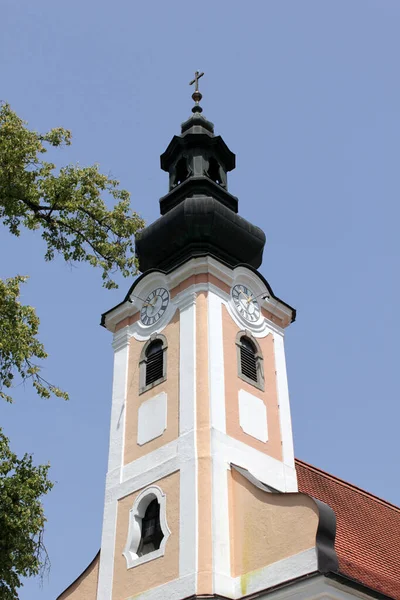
154	362
248	361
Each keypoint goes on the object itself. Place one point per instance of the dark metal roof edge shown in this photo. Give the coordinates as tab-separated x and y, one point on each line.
325	539
134	284
199	184
357	585
254	481
190	139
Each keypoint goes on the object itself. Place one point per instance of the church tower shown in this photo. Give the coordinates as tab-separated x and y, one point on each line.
201	490
200	383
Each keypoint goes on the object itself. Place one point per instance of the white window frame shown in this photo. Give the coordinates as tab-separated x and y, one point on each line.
136	515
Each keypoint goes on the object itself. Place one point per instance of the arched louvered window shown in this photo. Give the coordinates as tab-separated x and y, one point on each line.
153	368
250	366
248	360
154	363
152	534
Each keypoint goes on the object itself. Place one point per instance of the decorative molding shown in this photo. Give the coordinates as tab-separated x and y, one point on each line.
278	572
186	298
200	265
282	571
311	586
121	339
154	461
195	266
280	476
136	515
184	587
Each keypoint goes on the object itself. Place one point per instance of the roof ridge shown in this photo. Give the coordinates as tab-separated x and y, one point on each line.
349	485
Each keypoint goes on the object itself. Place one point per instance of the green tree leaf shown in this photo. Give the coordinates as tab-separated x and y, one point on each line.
22	520
68	207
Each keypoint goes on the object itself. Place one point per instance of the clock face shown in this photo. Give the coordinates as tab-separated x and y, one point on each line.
154	306
246	303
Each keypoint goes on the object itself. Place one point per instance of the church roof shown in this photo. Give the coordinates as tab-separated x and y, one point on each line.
368	529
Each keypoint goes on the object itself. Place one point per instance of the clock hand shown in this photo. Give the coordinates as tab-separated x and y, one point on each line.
154	304
151	303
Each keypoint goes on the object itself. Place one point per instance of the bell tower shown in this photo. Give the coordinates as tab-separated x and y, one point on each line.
200	405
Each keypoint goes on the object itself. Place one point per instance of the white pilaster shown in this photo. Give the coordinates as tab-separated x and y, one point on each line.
115	462
283	401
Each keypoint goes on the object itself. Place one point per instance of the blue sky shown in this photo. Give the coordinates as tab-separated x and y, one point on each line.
307	95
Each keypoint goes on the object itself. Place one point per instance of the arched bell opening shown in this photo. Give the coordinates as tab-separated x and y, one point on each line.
181	172
215	172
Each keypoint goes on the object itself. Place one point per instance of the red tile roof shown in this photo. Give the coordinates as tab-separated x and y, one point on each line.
368	529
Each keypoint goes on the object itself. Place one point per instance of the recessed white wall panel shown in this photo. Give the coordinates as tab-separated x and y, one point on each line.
152	418
253	416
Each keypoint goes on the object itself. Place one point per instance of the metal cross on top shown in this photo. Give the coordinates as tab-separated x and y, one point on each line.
197	96
195	81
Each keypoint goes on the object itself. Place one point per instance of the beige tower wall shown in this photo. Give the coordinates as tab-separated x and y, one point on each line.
233	384
85	587
259	528
130	582
266	527
170	387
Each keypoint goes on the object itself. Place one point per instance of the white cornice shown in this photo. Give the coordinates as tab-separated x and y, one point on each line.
121	339
198	266
186	298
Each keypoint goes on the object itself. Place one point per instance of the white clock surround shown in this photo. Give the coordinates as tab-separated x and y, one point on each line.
231	277
140	295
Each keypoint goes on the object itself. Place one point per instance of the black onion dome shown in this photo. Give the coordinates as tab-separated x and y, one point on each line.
199	215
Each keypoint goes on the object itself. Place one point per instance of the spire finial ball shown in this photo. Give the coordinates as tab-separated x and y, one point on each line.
197	96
